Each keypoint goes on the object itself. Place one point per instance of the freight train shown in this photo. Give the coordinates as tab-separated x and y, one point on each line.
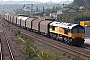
70	33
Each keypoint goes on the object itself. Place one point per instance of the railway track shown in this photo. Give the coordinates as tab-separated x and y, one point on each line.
82	53
0	49
6	53
10	49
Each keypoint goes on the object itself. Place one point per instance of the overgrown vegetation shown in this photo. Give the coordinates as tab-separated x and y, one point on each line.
33	51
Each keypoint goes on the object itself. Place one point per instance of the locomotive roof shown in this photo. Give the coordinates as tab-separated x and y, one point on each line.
63	24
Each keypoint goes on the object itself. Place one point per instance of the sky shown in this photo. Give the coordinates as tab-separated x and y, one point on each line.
40	0
54	0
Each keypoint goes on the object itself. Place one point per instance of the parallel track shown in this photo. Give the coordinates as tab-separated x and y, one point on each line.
0	49
10	49
82	53
6	53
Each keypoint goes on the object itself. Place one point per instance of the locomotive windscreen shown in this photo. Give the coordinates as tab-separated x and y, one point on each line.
78	29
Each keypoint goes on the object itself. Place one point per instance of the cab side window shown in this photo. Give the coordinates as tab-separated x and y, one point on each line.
52	27
65	31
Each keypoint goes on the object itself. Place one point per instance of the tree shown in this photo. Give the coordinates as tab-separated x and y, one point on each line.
54	9
76	7
79	2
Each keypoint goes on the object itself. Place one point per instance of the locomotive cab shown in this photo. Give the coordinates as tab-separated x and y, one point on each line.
78	29
69	33
78	34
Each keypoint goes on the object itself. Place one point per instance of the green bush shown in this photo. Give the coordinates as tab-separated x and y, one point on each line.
17	32
31	49
75	58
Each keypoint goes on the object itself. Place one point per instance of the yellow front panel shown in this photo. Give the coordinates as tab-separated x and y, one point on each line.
78	35
73	35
